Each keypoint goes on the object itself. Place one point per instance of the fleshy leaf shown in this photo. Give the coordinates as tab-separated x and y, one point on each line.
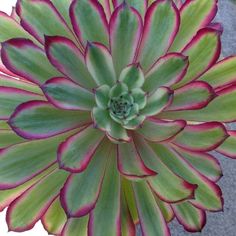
38	119
100	64
160	25
151	219
65	94
75	153
201	137
8	138
159	130
140	97
81	191
166	209
75	225
24	212
167	71
105	219
89	21
125	31
102	96
68	59
101	118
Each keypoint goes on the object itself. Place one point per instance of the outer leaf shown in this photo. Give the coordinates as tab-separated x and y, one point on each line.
166	210
65	94
193	20
75	153
208	195
89	21
27	60
75	225
130	163
38	119
55	218
105	218
201	137
23	213
192	218
161	25
31	12
12	97
8	138
221	74
151	219
159	130
108	7
125	32
167	71
198	95
68	59
100	64
81	191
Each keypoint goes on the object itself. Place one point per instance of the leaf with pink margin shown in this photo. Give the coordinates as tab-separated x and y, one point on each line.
100	65
203	162
31	12
198	95
168	186
227	148
160	25
221	74
89	21
192	20
107	7
130	163
160	130
105	219
81	191
8	138
166	209
208	195
54	218
151	219
24	58
39	119
125	33
201	137
12	97
66	57
65	94
76	152
167	71
203	52
192	218
24	212
75	225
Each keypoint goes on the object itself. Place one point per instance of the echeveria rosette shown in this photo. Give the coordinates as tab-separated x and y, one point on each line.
116	108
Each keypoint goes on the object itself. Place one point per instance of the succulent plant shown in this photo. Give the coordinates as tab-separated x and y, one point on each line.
109	112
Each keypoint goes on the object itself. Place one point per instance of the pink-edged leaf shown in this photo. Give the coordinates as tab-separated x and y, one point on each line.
68	59
39	119
227	148
75	225
151	219
166	209
27	209
100	65
31	12
203	162
75	153
89	21
160	25
201	137
105	219
107	7
81	191
54	218
207	195
12	97
203	52
125	32
130	163
192	218
168	186
199	94
65	94
22	57
167	71
160	130
216	26
192	20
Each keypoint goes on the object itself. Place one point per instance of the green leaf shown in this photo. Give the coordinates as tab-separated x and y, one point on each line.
140	97
118	89
166	209
135	123
101	118
102	96
8	137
